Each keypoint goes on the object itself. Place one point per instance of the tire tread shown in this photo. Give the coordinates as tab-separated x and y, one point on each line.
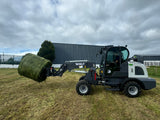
80	83
131	83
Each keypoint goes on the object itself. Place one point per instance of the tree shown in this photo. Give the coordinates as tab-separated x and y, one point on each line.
47	50
10	61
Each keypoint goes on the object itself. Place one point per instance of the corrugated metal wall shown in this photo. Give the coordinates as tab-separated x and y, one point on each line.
66	52
142	58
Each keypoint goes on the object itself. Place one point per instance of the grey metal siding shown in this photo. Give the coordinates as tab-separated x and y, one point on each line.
66	52
142	58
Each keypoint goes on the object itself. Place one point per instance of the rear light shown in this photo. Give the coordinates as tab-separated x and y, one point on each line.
51	69
95	76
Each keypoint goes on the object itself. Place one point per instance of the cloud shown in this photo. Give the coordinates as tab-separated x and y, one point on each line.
26	24
151	34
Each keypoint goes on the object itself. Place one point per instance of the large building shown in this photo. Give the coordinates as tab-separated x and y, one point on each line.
149	60
67	52
142	58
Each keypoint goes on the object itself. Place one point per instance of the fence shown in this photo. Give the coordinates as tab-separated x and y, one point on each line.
152	63
10	59
15	59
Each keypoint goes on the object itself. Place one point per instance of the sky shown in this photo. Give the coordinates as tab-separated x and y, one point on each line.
25	24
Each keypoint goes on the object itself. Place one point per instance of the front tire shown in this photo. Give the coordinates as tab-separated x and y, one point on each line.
83	88
132	89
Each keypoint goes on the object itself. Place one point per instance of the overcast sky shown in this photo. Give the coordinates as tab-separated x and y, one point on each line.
25	24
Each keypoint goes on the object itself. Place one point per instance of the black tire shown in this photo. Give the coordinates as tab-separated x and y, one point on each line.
132	89
82	78
83	88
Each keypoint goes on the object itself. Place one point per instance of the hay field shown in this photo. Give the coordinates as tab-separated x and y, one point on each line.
56	99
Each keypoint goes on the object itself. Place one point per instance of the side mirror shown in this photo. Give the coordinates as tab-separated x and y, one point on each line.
135	59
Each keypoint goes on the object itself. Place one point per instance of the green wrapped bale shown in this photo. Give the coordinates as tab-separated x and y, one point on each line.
34	67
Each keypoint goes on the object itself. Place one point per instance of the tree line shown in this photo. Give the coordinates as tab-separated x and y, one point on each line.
9	61
47	51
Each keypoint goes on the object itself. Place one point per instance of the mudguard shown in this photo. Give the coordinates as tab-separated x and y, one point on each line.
148	83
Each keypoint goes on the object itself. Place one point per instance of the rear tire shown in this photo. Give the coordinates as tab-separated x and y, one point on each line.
132	89
83	88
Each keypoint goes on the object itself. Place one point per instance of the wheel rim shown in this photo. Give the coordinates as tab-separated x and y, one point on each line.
83	89
132	90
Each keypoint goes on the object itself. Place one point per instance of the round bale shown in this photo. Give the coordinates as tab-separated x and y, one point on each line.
34	67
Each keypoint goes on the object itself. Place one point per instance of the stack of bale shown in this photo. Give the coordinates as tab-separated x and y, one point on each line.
34	67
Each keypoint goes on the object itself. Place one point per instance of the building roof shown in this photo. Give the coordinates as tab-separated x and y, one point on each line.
79	44
147	55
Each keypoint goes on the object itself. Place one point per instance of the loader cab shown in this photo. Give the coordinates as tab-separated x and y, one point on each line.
112	59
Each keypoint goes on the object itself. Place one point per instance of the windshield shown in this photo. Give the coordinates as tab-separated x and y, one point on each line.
110	56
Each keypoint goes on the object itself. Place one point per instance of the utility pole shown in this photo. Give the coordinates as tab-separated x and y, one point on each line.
3	57
0	58
13	60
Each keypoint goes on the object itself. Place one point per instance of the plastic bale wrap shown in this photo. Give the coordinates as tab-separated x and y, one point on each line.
34	67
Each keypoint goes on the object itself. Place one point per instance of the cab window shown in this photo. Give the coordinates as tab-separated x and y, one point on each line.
110	56
124	54
117	53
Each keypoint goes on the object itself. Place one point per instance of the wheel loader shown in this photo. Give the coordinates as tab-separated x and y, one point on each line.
117	70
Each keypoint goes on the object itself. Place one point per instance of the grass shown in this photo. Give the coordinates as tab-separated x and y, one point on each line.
154	71
56	99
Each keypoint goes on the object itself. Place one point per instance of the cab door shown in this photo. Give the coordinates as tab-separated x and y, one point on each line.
114	58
